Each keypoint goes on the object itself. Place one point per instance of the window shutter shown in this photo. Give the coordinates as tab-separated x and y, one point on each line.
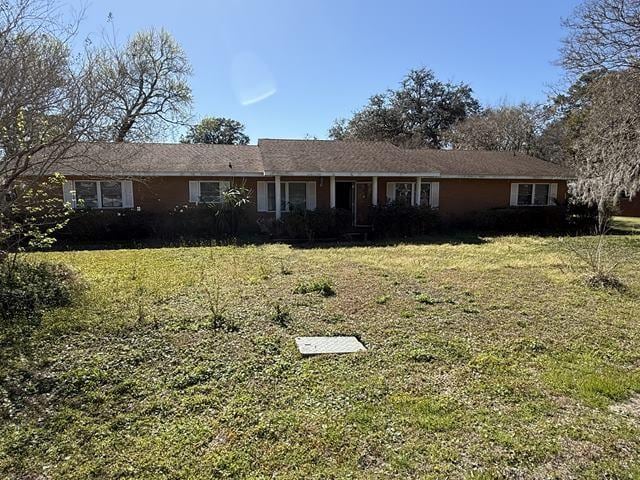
434	197
194	191
311	195
514	195
553	194
391	191
127	194
69	193
263	203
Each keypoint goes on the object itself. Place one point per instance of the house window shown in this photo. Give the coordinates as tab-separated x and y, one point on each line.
404	193
297	199
111	194
87	194
210	192
536	194
425	194
107	194
541	194
293	196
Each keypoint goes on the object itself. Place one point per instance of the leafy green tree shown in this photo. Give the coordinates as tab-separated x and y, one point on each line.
217	130
415	115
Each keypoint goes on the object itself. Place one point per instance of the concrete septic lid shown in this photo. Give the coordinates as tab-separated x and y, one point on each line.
318	345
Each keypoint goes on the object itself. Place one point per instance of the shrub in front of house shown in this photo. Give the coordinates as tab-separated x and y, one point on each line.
398	220
581	217
189	221
514	220
314	224
107	225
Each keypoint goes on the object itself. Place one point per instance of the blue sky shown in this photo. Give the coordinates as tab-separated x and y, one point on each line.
287	68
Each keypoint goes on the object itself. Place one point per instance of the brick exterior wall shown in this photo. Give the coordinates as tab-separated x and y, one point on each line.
457	196
630	208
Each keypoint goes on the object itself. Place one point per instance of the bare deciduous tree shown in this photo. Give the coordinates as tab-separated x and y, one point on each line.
511	128
603	34
50	100
150	90
608	150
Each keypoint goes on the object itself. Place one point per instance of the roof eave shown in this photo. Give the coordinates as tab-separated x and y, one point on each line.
272	173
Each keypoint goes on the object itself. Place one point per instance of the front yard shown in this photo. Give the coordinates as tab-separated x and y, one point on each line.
487	358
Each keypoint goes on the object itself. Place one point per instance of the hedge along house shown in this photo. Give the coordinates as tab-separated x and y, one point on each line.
283	175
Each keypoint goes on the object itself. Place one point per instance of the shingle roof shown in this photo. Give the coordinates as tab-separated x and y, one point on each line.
482	163
301	157
163	159
333	156
360	157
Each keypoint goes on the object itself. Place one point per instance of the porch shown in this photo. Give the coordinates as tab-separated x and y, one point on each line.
356	195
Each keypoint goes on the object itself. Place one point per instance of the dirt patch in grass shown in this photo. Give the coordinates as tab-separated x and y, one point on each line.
631	407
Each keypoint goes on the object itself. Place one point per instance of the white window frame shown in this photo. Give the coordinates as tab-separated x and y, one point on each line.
434	192
195	188
552	193
284	194
123	194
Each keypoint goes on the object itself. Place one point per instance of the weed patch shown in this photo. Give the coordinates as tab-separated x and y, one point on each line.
323	287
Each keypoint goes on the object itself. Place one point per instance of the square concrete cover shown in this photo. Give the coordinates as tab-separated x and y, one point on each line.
317	345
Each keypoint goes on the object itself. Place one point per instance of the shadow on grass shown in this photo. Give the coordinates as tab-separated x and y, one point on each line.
440	238
454	239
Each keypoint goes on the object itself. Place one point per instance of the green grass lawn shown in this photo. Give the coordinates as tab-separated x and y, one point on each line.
485	359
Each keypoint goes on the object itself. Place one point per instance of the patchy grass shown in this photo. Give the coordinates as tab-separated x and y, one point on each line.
485	359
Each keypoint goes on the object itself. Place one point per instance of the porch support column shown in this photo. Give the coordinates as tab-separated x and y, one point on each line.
332	191
374	191
418	189
278	197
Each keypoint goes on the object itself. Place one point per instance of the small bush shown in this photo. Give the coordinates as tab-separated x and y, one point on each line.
281	316
381	300
426	299
596	261
217	306
27	289
323	287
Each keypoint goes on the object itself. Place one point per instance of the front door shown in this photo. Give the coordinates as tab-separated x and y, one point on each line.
363	203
